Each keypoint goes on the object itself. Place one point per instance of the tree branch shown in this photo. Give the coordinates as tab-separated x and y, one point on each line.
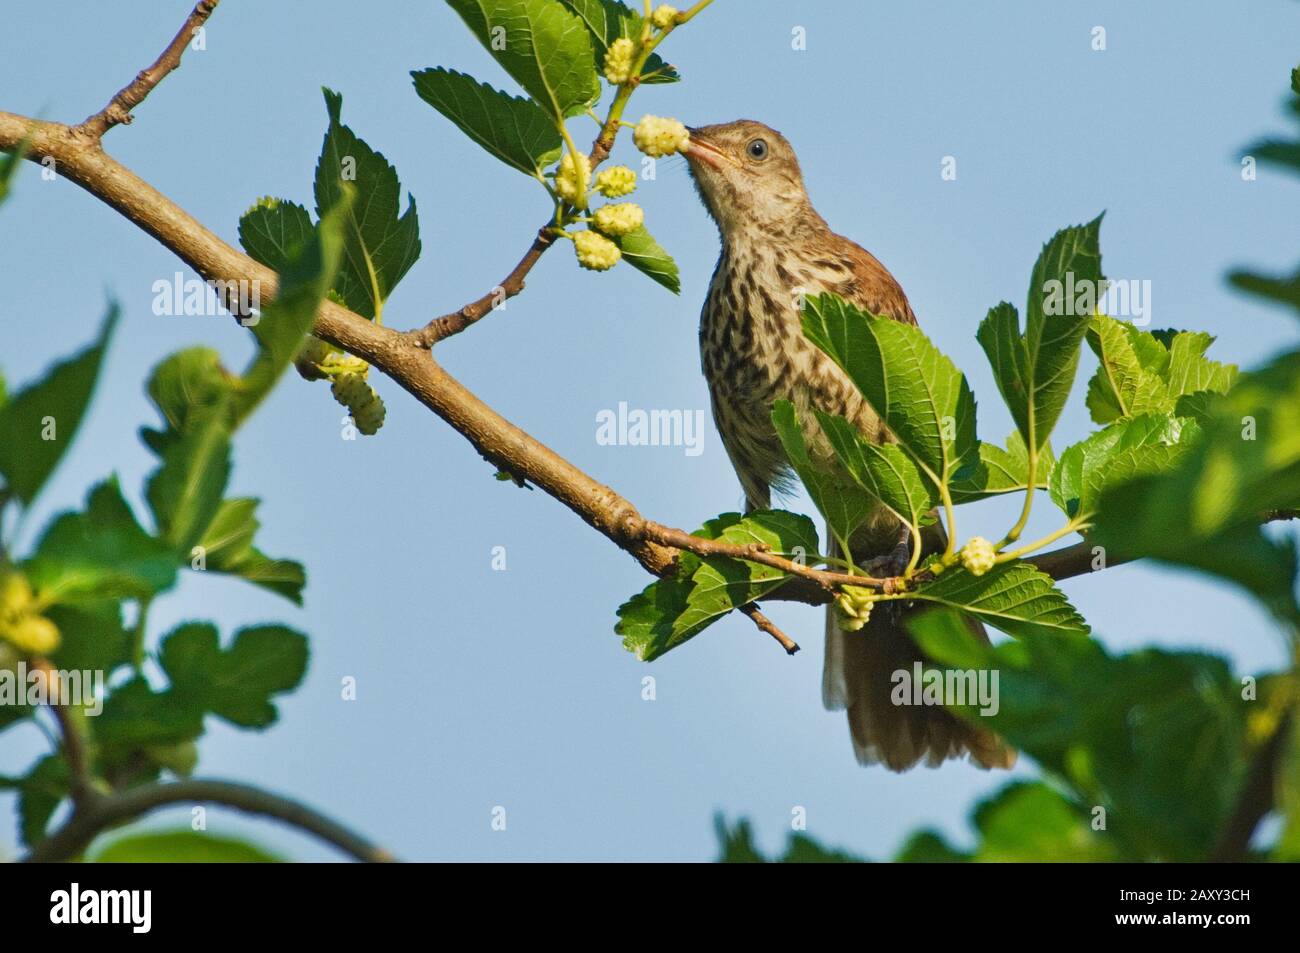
102	812
767	625
456	321
118	110
411	366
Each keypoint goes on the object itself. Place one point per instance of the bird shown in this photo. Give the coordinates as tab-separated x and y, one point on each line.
777	249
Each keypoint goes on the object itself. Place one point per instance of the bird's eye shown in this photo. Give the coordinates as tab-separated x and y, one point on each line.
757	149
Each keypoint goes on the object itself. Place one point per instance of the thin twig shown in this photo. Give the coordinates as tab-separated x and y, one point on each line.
767	625
456	321
102	812
757	553
74	749
118	110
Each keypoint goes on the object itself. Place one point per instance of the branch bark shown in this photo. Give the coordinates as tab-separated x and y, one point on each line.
118	110
102	812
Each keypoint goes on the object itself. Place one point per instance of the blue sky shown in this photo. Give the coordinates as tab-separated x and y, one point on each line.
480	688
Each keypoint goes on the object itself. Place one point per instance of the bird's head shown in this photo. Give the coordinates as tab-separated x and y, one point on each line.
748	177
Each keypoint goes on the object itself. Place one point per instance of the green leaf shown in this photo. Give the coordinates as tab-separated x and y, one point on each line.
38	423
137	719
379	246
1014	597
39	795
305	280
181	847
1035	370
237	683
1283	289
1288	843
515	130
92	637
1205	512
1002	470
888	475
845	506
228	548
274	232
186	387
1143	372
736	846
610	20
542	45
1123	451
647	256
919	393
1029	822
1131	733
102	553
185	491
672	610
1128	381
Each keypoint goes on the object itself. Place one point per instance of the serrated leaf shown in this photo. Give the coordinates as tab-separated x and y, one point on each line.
1124	450
845	506
1035	370
885	472
515	130
274	232
1014	597
39	422
542	45
1003	470
1128	381
919	393
102	553
647	256
379	247
610	20
1205	512
671	611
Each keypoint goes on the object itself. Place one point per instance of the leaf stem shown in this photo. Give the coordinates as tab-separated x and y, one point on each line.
1073	526
1013	534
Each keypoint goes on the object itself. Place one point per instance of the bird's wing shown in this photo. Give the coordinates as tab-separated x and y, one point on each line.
871	286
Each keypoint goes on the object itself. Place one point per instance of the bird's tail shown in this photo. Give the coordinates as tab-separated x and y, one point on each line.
859	676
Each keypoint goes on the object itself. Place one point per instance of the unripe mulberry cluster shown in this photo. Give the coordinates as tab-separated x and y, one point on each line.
618	61
347	373
853	605
657	136
978	556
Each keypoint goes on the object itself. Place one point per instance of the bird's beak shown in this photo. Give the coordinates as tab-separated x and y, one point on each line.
701	150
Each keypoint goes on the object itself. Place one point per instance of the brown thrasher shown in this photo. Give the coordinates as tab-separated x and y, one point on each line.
775	249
